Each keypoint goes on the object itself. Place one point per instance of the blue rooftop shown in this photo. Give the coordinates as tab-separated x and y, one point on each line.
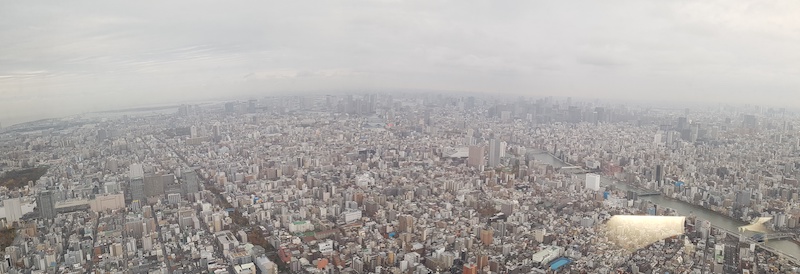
560	262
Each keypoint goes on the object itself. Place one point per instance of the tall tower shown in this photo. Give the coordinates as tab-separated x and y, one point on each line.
215	130
495	152
683	123
46	204
659	173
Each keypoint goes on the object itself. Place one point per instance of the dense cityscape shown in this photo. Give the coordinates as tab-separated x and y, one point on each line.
403	183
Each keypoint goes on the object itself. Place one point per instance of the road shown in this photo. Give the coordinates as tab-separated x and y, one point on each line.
90	264
163	246
206	182
161	239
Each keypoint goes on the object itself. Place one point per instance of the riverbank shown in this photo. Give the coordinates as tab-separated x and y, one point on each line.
784	248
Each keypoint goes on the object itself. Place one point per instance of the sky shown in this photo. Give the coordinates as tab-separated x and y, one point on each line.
60	58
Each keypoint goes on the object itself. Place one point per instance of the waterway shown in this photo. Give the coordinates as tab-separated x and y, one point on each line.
683	208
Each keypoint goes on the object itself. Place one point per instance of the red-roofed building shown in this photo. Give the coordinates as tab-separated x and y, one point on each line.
285	255
470	269
321	264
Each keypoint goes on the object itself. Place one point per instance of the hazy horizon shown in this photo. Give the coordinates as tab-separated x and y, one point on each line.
67	58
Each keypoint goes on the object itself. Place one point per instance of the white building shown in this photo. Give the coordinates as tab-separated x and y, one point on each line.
136	171
547	255
300	226
326	247
266	266
495	152
350	216
13	210
593	181
365	180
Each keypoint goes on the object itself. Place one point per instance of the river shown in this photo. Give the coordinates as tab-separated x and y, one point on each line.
683	208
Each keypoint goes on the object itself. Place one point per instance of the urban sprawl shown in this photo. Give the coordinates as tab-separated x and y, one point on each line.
401	183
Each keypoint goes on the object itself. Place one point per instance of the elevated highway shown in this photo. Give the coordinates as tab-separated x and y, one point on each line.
771	236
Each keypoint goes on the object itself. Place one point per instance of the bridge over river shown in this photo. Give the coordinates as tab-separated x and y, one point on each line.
761	237
651	193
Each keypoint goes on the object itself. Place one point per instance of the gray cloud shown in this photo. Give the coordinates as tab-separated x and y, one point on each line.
63	58
600	60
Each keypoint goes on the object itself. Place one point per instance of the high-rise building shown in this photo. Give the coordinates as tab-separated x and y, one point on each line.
749	121
470	268
155	185
574	114
731	258
742	198
251	105
136	171
487	236
483	261
600	114
670	138
358	265
13	209
406	223
46	204
495	148
215	130
476	158
191	183
230	107
593	181
470	103
217	221
499	229
136	190
694	132
183	110
370	207
193	132
659	173
683	123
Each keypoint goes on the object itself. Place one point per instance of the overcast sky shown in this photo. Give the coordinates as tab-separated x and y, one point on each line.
64	57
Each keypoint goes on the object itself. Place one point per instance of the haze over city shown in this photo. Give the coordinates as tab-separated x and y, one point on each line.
399	137
61	59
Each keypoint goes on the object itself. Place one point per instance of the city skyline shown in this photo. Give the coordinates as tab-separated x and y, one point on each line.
94	56
400	137
384	183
